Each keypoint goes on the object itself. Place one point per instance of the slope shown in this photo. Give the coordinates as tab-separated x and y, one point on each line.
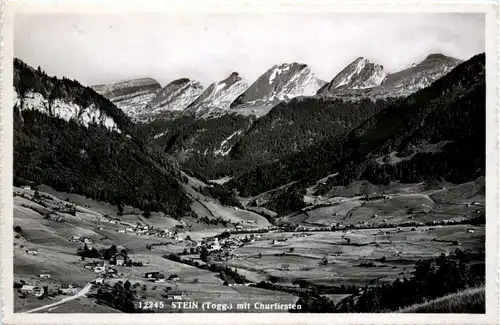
87	157
445	108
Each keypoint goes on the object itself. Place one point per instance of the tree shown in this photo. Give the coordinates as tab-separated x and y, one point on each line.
127	285
291	249
120	209
18	229
204	254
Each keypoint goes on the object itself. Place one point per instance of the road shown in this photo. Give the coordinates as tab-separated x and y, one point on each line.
80	294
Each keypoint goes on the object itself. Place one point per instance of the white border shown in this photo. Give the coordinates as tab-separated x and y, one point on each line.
224	6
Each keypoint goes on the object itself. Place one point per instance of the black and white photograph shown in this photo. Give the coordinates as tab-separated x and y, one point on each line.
251	162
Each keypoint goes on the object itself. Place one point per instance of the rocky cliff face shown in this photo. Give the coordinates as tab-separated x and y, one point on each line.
418	76
65	110
130	96
362	78
63	98
218	96
174	97
281	82
360	74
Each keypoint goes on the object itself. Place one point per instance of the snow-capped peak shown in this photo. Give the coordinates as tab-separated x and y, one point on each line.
360	74
174	97
281	82
131	96
218	96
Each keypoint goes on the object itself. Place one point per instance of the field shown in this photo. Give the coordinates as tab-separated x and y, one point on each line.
401	250
359	257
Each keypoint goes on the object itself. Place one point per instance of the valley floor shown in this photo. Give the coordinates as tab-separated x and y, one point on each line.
371	245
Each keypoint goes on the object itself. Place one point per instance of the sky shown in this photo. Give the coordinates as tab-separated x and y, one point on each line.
105	48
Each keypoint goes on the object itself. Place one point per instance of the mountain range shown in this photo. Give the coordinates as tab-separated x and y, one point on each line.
287	126
144	99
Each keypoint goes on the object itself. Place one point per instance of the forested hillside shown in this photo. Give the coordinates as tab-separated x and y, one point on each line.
201	145
422	137
294	126
91	160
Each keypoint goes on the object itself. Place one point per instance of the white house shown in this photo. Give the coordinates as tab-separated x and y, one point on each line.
26	187
99	281
88	240
100	268
28	288
45	275
121	230
120	260
470	231
32	251
175	295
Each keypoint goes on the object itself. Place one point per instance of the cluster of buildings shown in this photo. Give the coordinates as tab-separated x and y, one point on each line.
160	277
31	289
81	239
101	267
280	240
150	231
54	217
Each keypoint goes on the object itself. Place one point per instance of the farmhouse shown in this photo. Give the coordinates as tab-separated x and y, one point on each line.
285	267
90	266
56	218
173	277
70	290
28	288
32	251
45	275
239	227
154	275
37	291
26	187
99	281
87	240
175	295
470	231
101	267
120	260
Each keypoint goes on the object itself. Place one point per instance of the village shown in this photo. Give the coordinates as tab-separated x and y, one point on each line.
109	249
